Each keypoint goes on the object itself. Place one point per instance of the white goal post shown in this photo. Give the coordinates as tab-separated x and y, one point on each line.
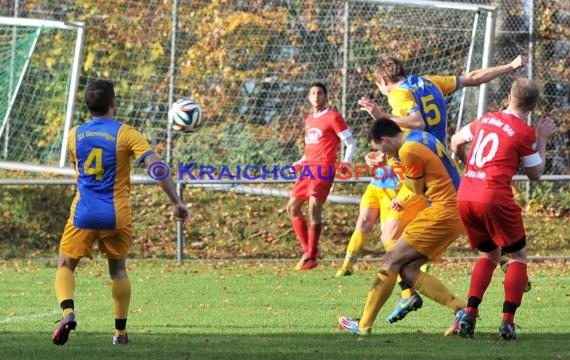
13	54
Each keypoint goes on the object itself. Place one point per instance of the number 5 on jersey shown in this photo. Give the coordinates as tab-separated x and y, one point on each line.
433	116
94	164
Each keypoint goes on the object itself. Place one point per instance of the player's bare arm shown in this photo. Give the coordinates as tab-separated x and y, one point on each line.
459	142
481	76
412	121
544	129
179	210
372	108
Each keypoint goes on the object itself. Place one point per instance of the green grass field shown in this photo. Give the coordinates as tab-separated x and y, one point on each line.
264	310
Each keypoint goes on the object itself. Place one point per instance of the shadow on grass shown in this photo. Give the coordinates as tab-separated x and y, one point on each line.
273	346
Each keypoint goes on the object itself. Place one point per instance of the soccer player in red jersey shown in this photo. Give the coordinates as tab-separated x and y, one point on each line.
324	130
492	219
101	150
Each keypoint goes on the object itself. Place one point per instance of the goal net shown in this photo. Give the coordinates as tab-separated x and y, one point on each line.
256	93
249	64
39	63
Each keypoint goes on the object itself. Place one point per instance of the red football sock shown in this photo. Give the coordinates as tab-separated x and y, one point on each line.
515	283
480	279
300	227
314	235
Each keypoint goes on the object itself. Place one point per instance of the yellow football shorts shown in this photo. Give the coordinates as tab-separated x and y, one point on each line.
77	243
433	230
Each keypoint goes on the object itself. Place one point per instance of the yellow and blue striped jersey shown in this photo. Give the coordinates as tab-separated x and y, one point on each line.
424	94
423	156
101	150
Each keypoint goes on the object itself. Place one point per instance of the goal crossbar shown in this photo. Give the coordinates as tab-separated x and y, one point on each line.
39	23
432	4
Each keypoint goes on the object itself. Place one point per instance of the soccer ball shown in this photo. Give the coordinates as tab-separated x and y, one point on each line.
185	115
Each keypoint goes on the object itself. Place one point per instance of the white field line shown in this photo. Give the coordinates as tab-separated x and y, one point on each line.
23	318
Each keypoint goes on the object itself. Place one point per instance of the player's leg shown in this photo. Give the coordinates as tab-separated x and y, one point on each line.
474	219
481	276
504	224
298	220
367	217
318	191
121	292
430	234
504	264
516	280
392	228
509	234
392	262
75	244
65	291
115	245
315	228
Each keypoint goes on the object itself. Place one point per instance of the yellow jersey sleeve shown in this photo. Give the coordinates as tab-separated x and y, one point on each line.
136	143
446	84
71	145
402	102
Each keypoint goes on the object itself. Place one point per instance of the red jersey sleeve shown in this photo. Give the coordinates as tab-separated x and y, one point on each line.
528	142
338	124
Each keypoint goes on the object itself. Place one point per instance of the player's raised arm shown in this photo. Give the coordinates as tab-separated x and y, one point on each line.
179	210
481	76
413	120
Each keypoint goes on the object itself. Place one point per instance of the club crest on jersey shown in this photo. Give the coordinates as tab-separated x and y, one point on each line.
313	135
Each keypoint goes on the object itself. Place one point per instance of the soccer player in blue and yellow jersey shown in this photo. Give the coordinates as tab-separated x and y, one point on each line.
101	150
430	170
417	103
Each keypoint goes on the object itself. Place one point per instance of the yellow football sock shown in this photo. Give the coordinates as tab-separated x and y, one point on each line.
358	240
435	290
377	296
121	289
405	293
64	286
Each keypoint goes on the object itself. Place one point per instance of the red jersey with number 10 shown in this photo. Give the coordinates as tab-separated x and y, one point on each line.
500	141
322	141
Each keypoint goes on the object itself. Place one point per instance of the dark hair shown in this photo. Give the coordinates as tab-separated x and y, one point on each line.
322	86
524	94
383	128
99	95
390	68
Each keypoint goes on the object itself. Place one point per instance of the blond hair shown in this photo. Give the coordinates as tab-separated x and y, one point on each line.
390	68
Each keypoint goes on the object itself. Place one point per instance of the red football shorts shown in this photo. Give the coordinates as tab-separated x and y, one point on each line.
314	181
500	223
